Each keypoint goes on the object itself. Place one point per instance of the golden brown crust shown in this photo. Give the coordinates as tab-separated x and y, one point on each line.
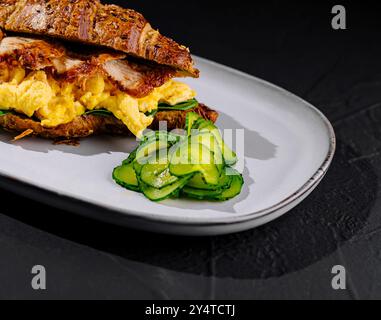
6	9
88	125
93	23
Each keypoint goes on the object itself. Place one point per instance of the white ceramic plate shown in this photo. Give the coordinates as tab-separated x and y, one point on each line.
289	146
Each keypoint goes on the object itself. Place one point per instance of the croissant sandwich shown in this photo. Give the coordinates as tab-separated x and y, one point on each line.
74	68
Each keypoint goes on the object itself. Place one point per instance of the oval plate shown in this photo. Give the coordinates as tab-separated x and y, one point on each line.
289	146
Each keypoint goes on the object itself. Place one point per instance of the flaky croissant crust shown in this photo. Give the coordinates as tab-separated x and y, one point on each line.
94	23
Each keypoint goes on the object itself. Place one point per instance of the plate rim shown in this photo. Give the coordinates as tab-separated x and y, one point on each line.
215	221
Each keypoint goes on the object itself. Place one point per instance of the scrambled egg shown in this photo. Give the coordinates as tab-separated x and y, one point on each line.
55	103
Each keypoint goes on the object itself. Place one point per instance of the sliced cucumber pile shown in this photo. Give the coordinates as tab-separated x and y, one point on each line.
196	165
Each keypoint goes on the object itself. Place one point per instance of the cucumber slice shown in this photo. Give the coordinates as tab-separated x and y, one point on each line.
130	158
170	191
145	151
209	172
125	176
191	158
229	155
210	141
156	173
137	167
234	190
198	182
171	138
153	141
203	125
201	194
192	117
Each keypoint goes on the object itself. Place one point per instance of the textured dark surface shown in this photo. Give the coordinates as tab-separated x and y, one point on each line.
294	46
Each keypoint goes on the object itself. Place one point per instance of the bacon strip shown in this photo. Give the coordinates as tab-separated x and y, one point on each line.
136	79
30	53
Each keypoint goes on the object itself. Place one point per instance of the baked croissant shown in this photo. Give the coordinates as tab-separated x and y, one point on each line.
94	23
51	88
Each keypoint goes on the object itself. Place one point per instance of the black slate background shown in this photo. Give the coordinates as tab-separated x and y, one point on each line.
292	45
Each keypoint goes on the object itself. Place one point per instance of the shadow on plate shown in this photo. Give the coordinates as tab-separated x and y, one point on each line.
332	215
256	146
